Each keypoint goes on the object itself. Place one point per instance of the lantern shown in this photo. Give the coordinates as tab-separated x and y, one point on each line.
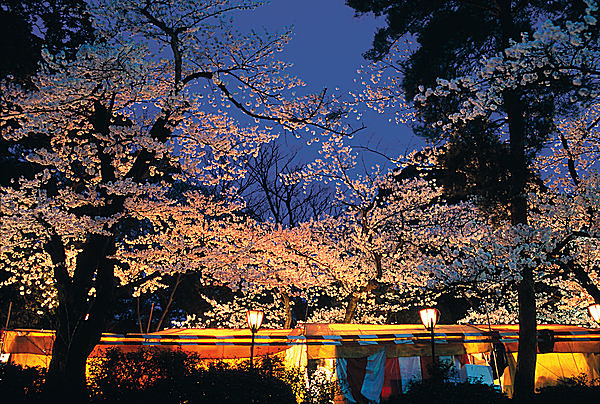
254	319
429	318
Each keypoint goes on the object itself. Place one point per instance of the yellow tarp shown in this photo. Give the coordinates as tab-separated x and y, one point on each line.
567	338
28	347
551	367
34	347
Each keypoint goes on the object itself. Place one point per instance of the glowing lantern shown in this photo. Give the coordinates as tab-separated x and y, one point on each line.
254	319
429	318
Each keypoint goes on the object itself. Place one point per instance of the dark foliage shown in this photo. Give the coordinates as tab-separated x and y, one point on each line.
450	393
27	26
153	376
456	19
577	389
18	384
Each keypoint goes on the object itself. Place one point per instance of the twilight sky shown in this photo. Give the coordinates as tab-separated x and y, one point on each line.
326	50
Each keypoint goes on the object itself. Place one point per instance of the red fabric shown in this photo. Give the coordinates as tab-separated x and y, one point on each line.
426	363
392	385
463	359
356	369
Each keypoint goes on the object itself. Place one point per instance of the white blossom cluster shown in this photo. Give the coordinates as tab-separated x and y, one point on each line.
136	116
550	54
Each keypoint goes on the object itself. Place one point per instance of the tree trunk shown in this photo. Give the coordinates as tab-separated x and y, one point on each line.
66	374
168	304
584	280
353	302
524	384
288	310
371	285
351	307
80	317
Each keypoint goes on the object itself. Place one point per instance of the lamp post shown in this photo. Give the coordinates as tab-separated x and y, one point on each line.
254	319
594	310
429	318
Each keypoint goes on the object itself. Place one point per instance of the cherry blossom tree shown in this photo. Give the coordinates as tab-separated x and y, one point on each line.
113	133
269	198
557	58
562	248
552	54
380	248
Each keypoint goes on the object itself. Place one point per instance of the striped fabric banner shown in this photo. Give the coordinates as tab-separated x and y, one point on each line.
338	340
375	378
361	380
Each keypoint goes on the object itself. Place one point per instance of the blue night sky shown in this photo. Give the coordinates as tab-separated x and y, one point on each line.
326	50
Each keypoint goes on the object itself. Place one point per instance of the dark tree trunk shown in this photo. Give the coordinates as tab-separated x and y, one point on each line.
80	317
351	308
355	298
584	279
524	383
66	373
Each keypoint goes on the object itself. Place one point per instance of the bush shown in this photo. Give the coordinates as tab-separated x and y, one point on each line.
450	393
152	376
441	389
224	385
312	387
578	389
19	384
122	374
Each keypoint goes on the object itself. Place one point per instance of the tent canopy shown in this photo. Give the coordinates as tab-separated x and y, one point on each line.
208	343
320	341
359	340
551	338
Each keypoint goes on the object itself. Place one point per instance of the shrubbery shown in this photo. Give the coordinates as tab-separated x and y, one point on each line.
450	393
19	384
440	389
174	377
150	376
153	376
577	389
